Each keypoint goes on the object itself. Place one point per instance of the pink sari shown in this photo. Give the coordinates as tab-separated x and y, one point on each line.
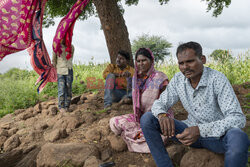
128	126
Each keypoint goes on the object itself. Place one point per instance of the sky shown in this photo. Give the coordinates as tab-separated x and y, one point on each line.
178	21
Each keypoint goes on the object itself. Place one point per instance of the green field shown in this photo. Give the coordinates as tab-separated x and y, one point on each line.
17	89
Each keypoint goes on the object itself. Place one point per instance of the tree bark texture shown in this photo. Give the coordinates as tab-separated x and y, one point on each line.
114	28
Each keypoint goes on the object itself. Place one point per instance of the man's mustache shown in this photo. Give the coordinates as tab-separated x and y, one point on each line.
188	70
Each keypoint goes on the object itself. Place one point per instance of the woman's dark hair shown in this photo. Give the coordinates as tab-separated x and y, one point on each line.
125	54
190	45
145	52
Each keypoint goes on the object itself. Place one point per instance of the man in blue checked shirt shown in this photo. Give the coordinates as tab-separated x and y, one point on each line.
214	113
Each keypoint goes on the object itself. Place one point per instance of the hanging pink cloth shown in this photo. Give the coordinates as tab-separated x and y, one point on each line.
66	26
16	25
21	28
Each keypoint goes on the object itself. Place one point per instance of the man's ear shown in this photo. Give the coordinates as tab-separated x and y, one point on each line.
203	59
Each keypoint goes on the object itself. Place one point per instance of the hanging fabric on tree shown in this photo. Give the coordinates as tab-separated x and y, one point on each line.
16	25
39	57
21	28
66	26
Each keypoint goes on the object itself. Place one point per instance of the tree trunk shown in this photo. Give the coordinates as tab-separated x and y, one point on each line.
114	28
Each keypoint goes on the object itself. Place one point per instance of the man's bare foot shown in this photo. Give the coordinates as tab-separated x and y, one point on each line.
62	110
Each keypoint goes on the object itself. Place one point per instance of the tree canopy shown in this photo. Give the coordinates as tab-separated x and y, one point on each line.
110	14
59	8
157	44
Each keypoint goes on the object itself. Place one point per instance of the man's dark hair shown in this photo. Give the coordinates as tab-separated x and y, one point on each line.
190	45
124	54
145	52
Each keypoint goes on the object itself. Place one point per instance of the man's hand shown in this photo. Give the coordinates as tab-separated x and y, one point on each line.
126	74
167	125
189	135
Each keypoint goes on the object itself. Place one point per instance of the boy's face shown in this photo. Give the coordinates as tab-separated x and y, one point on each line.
121	61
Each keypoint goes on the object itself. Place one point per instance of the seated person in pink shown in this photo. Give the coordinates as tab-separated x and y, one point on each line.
147	87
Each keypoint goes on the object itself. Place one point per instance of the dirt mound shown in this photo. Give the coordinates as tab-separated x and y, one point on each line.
42	136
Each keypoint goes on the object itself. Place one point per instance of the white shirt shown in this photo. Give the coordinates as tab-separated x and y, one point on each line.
212	105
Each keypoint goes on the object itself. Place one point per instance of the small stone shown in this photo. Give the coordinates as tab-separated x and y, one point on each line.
92	161
53	110
3	132
106	154
117	143
19	111
12	131
93	134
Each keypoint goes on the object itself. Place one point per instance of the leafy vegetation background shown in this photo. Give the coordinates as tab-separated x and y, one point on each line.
17	89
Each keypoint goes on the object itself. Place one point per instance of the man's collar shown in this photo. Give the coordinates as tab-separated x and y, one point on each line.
204	78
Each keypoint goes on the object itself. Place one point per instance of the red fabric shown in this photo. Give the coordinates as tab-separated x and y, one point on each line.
66	26
68	41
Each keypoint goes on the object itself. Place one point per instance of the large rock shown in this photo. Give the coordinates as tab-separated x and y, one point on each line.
11	158
202	158
68	122
52	155
29	158
11	143
19	157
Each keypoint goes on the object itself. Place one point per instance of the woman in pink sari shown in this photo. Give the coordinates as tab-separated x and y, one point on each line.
148	84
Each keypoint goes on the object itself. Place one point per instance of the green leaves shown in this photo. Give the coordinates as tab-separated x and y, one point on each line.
221	55
158	45
217	5
60	8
